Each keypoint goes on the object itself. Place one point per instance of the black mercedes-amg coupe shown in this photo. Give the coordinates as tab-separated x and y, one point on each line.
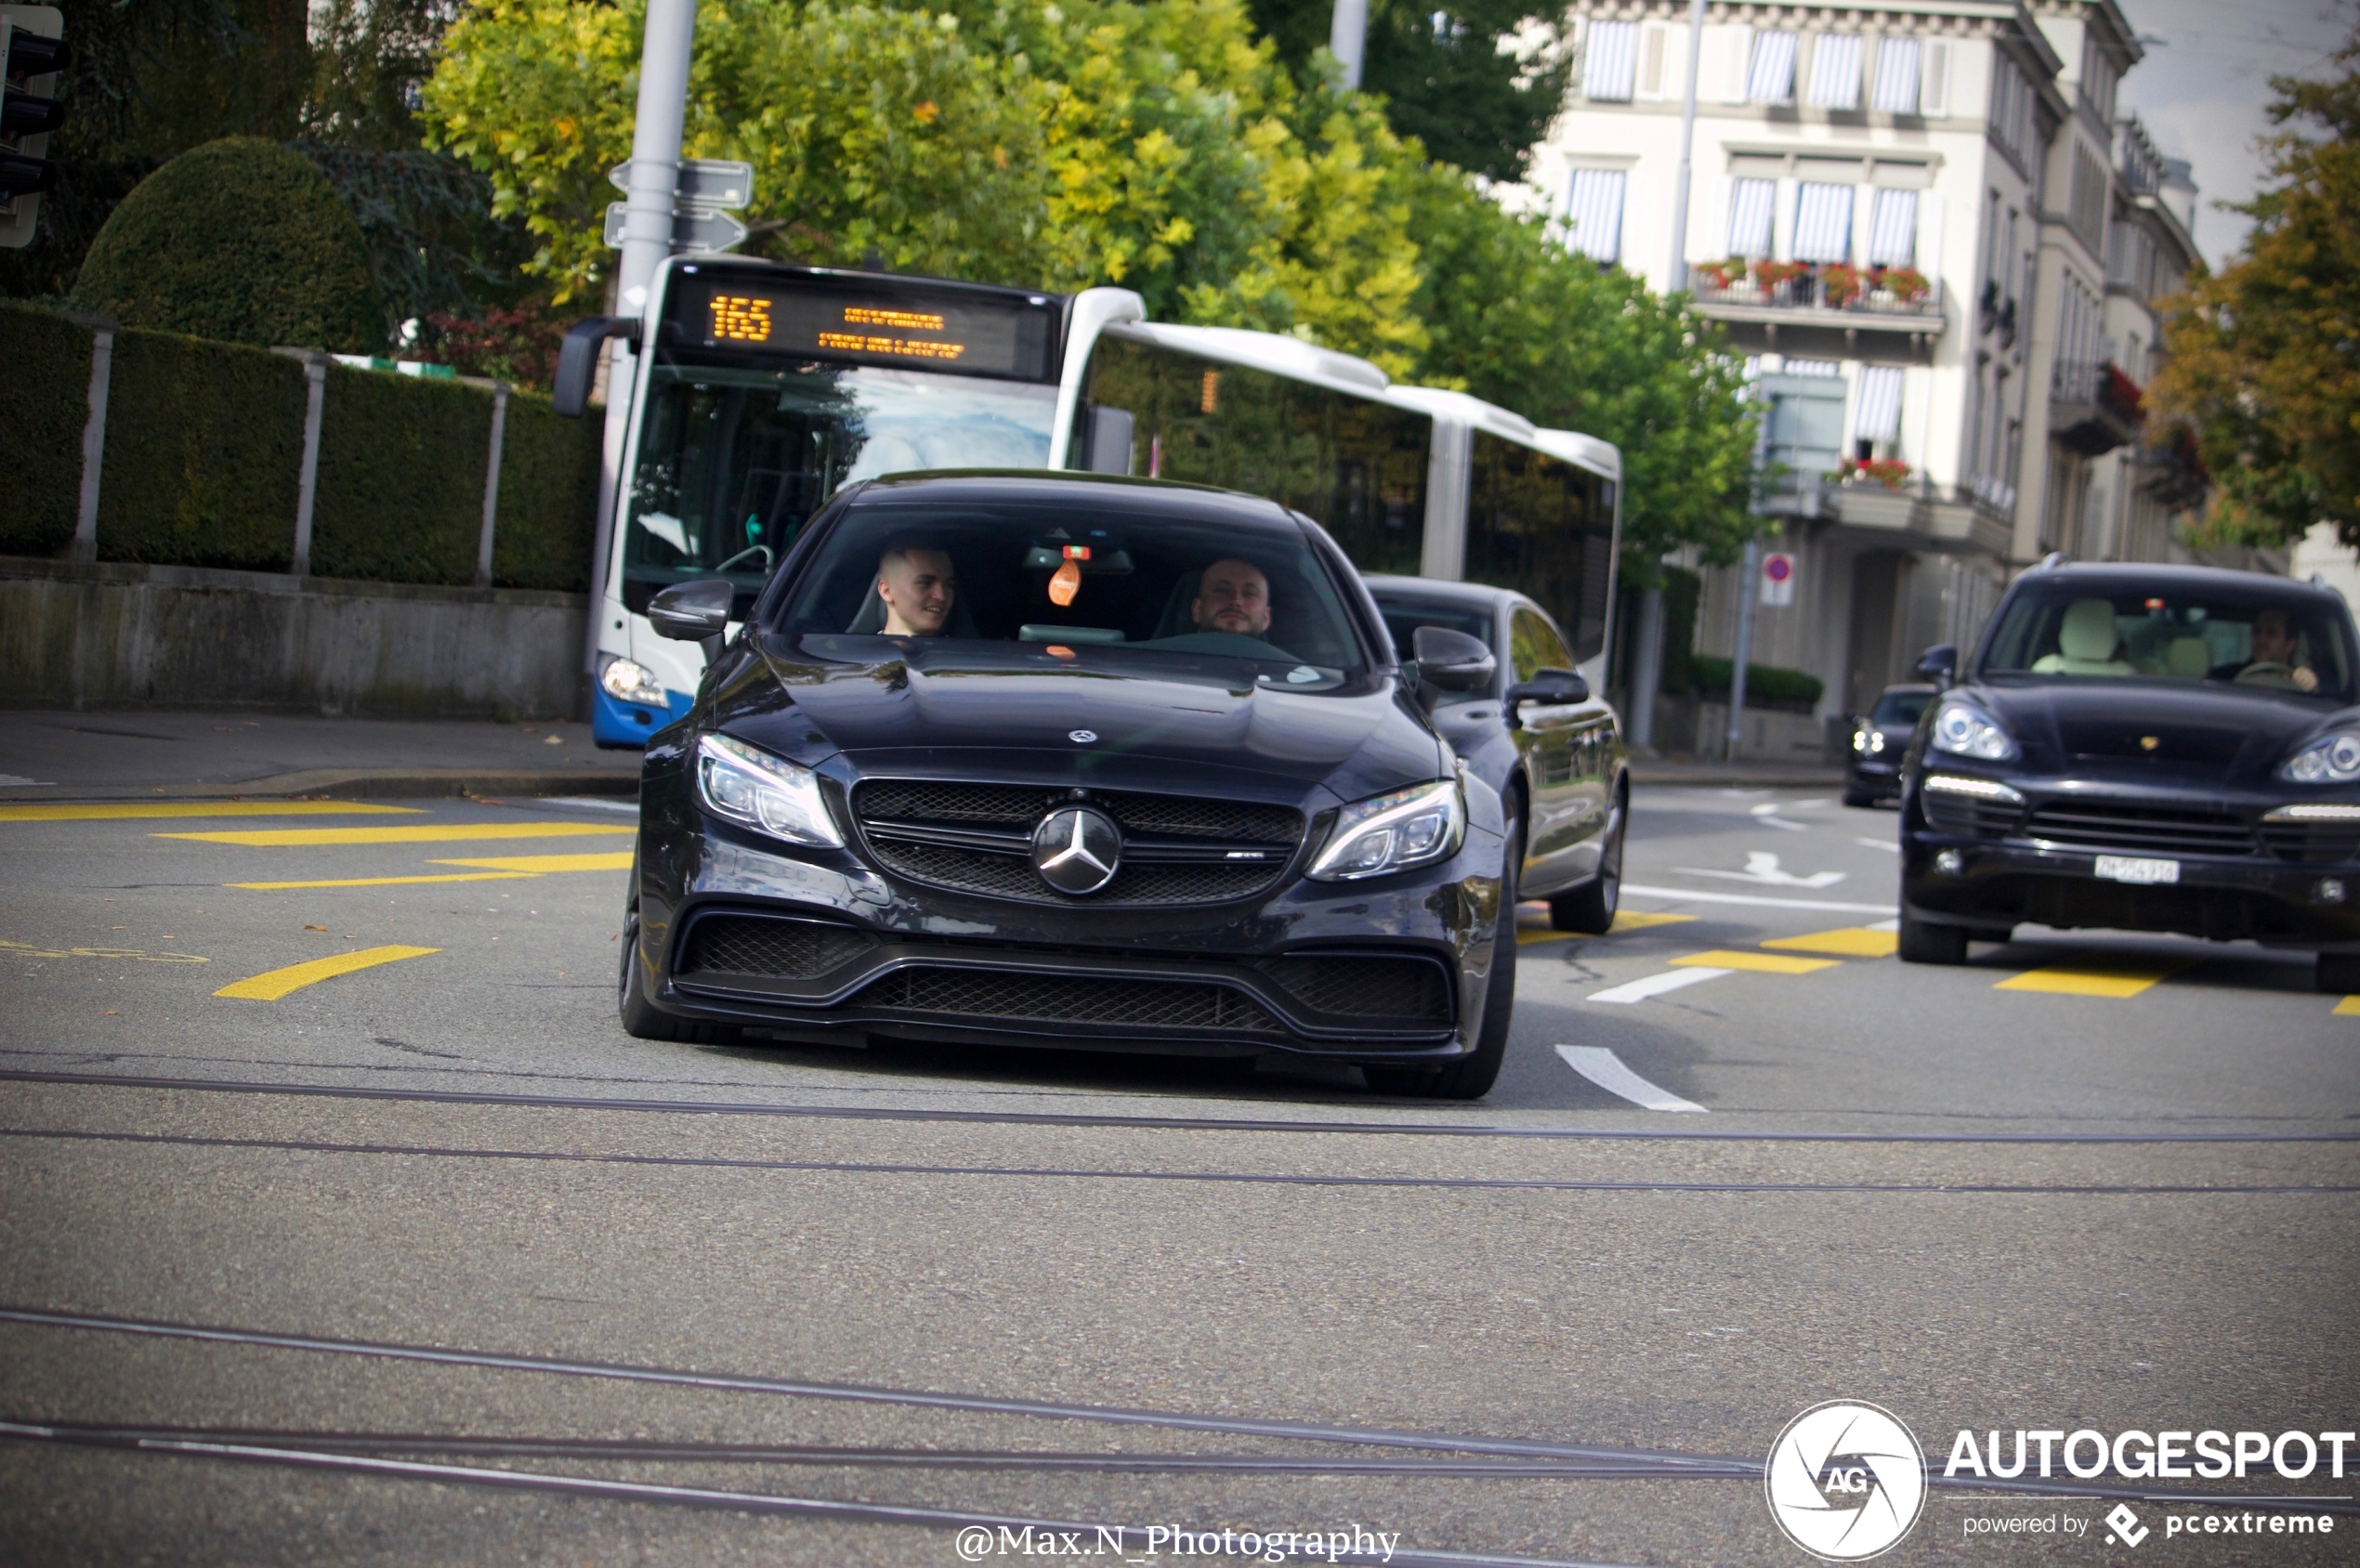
2143	747
1094	763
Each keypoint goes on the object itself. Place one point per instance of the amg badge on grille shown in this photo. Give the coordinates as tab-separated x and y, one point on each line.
1076	849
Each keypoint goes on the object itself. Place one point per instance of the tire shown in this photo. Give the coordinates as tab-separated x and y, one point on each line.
641	1018
2339	973
1590	908
1859	797
1472	1076
1925	942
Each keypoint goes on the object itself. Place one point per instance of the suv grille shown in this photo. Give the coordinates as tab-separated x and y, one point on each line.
1058	998
1410	990
782	949
2089	825
896	814
2312	840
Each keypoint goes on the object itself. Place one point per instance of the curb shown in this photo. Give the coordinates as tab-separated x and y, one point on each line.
364	784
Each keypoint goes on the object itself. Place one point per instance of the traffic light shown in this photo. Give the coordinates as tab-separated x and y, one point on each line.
32	50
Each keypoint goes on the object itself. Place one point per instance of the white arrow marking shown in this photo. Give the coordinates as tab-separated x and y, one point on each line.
1604	1068
1768	813
1762	866
1656	984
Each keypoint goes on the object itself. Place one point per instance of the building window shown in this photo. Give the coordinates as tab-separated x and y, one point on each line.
1893	229
1876	415
1835	70
1595	213
1771	78
1610	64
1823	222
1897	91
1750	203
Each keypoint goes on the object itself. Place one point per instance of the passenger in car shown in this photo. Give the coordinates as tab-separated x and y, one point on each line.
1232	597
918	586
2277	654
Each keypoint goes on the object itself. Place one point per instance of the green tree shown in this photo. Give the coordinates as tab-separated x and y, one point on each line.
2265	355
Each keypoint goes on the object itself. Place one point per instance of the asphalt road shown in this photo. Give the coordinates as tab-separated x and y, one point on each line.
343	1268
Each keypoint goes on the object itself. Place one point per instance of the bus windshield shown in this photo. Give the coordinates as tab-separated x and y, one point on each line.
733	459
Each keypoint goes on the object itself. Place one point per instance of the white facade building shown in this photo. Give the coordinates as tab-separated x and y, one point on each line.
1899	210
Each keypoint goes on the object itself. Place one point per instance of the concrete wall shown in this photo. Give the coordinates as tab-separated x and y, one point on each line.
112	634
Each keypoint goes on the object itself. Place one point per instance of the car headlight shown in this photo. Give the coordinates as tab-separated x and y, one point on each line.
1391	832
628	681
1965	731
1860	739
2332	759
748	785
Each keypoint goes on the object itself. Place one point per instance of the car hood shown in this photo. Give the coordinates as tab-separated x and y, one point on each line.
1011	712
2150	728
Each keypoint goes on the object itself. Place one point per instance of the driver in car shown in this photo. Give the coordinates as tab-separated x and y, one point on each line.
1232	597
917	586
2276	648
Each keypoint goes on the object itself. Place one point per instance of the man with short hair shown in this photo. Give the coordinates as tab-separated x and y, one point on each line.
917	586
1232	597
2277	647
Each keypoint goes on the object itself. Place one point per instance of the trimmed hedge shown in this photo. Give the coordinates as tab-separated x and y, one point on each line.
205	449
204	456
45	404
1682	590
240	239
1764	683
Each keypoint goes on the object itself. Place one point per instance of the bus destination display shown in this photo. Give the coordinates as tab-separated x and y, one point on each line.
975	337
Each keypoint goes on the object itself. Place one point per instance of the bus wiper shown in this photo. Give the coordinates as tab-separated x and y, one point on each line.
761	550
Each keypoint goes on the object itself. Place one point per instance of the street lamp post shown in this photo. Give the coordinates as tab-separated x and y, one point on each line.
1678	279
1348	37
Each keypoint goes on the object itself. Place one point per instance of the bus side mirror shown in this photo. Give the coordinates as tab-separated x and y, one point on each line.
578	360
694	612
1939	665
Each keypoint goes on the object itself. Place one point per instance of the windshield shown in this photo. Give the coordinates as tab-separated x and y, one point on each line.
2249	637
734	460
1897	708
1110	587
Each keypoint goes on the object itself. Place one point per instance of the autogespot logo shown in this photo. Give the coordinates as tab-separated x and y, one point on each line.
1845	1481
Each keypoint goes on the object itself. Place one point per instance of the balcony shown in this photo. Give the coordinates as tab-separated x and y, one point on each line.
2093	408
1820	294
1890	505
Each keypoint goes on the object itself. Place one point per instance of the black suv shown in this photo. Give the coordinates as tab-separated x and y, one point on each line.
1073	761
2147	748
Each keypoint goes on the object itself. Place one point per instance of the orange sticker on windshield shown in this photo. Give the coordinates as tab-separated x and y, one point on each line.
1065	584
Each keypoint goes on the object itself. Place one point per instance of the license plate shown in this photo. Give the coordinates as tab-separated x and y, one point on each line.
2133	868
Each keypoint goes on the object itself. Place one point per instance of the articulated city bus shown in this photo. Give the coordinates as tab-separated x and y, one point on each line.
765	388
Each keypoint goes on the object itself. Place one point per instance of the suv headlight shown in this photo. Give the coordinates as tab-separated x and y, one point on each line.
1869	741
2332	759
627	681
770	794
1965	731
1391	832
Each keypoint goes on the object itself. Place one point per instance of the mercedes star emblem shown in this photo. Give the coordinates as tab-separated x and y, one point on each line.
1076	849
1081	737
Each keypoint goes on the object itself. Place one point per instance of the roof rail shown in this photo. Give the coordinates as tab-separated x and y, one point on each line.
2052	560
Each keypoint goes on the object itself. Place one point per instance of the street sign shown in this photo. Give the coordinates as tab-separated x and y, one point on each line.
702	182
694	231
1778	579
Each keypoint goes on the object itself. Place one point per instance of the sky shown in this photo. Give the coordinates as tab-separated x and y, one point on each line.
2203	91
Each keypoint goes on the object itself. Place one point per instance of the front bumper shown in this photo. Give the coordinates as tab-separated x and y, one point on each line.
823	945
2007	871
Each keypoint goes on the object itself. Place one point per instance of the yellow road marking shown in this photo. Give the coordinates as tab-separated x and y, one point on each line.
273	983
1851	942
2093	976
1760	964
2349	1007
534	864
107	812
457	832
27	950
387	881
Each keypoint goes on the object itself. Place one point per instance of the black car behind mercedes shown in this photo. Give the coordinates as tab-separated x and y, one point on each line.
2147	748
1075	761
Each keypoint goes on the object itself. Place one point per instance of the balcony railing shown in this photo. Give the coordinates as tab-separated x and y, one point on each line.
2093	407
1820	286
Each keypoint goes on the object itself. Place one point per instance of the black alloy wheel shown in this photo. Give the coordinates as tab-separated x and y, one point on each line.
1472	1076
1590	908
641	1018
2339	973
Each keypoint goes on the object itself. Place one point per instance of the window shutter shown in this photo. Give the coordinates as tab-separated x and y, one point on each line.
1751	201
1934	84
1877	416
1896	76
1893	229
1607	61
1654	52
1835	70
1738	61
1772	78
1596	212
1823	222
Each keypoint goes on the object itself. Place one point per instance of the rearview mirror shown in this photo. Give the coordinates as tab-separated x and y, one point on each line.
1939	664
694	612
578	361
1451	660
1551	688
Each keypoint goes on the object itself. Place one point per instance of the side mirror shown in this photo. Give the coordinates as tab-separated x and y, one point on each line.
1451	660
578	361
1939	664
694	612
1551	688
